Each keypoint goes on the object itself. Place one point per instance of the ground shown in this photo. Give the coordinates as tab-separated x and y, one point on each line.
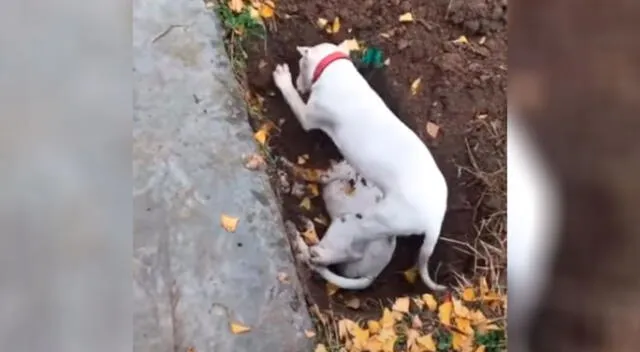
458	51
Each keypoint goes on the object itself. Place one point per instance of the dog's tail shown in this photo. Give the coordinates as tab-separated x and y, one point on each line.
344	282
423	265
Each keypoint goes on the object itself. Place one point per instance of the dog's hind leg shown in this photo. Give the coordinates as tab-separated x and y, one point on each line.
384	219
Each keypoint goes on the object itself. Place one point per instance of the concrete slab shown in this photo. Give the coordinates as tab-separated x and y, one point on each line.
191	278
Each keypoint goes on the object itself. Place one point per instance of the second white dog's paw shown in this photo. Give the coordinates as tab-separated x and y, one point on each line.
282	76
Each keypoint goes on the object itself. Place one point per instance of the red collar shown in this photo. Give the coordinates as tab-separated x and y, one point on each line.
326	62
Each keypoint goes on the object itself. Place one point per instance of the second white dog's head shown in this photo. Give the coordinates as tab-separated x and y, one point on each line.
310	58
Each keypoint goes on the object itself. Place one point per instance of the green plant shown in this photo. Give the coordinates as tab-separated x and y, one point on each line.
494	341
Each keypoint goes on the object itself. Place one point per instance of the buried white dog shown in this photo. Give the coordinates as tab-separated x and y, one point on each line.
344	192
379	146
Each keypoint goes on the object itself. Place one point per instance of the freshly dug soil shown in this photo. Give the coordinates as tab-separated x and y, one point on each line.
463	91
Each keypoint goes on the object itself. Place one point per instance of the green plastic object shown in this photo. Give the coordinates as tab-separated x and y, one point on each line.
372	57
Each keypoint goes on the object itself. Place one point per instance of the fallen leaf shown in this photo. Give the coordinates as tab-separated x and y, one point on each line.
332	289
353	303
237	328
310	235
345	326
411	275
229	223
387	62
373	326
444	313
254	162
468	294
262	134
320	348
254	13
321	220
374	344
482	40
411	337
335	27
415	85
261	64
484	287
235	5
301	160
461	40
283	277
477	317
387	320
401	305
482	116
350	45
427	343
464	325
416	323
313	189
406	17
266	9
460	342
309	333
430	301
360	337
459	310
433	129
306	203
322	22
481	348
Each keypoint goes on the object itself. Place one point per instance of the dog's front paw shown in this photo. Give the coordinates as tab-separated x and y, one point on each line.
282	76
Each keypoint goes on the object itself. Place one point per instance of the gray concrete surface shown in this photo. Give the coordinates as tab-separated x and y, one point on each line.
190	277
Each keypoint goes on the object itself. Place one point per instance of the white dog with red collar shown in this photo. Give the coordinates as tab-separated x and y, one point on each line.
378	145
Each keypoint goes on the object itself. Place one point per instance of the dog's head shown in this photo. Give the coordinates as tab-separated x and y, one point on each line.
310	58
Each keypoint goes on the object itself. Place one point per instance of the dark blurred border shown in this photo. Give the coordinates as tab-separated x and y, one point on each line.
575	73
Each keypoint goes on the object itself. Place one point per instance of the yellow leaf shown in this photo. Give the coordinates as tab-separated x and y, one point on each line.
461	40
229	223
373	345
412	335
468	294
411	275
401	305
320	348
332	289
373	326
484	287
444	313
309	333
235	5
477	317
322	22
350	45
237	328
306	203
266	9
345	326
415	85
427	343
418	302
262	134
430	301
432	129
360	337
353	303
459	310
310	235
335	27
481	348
460	342
387	320
389	345
313	189
464	325
254	13
406	17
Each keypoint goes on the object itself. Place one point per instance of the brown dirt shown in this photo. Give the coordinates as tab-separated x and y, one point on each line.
459	82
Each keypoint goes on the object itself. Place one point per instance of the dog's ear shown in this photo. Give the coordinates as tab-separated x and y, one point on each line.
303	50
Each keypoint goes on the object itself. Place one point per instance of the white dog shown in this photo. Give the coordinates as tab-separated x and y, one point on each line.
344	192
378	145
